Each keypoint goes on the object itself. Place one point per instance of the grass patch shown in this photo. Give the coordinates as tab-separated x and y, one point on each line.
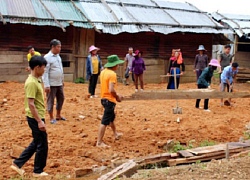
207	143
80	80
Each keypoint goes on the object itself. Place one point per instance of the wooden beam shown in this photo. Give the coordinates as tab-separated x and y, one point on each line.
186	94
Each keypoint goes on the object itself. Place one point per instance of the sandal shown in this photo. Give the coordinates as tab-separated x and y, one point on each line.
53	121
61	118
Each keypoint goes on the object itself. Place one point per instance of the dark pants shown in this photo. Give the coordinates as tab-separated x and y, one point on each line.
109	112
58	93
198	100
38	145
92	83
198	73
127	74
171	83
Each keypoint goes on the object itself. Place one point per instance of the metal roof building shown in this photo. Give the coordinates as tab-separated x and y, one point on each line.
111	16
240	24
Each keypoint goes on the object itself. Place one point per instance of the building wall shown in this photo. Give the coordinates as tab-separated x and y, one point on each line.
14	40
156	50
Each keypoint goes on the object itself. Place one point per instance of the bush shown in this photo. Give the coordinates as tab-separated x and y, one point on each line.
79	80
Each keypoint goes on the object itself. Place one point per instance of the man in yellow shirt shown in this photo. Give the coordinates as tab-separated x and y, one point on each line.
109	98
31	53
35	113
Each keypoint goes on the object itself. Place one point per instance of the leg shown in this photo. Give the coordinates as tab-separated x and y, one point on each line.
133	78
136	81
94	83
141	81
101	133
59	101
206	104
50	101
91	84
197	105
127	75
177	82
90	80
222	89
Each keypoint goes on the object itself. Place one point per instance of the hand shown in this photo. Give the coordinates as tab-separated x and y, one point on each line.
41	126
194	71
181	73
119	98
47	90
130	72
27	69
209	87
168	74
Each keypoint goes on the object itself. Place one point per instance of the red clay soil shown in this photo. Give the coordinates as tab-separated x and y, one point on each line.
145	125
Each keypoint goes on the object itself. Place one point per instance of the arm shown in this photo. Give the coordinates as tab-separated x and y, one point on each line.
126	62
143	65
203	77
220	59
169	66
206	61
183	67
195	62
34	112
88	73
113	92
46	77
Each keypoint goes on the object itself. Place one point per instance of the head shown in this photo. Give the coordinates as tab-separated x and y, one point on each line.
227	49
93	50
201	49
235	65
214	63
37	65
138	53
130	50
31	50
55	46
113	62
176	54
201	52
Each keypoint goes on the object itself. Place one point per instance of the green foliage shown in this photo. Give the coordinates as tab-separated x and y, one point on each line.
247	135
79	80
178	147
207	143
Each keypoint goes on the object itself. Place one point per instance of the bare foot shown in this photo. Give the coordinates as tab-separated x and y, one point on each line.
118	136
102	145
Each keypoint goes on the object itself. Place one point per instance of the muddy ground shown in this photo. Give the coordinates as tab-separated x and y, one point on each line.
145	125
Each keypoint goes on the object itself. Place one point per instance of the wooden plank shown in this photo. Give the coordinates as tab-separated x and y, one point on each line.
127	169
154	159
11	58
186	94
185	153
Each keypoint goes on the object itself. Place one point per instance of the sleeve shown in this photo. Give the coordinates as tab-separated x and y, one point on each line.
28	57
183	67
169	66
203	77
112	78
30	90
88	73
195	61
38	54
46	74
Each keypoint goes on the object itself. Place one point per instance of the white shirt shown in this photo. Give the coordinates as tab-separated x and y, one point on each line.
53	74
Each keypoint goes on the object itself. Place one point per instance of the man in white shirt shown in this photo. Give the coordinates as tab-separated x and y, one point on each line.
53	79
128	64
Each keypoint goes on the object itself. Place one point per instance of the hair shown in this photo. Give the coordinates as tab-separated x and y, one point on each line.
235	65
37	61
29	47
54	42
227	46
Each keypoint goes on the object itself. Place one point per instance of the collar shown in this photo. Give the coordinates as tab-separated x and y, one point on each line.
53	55
38	79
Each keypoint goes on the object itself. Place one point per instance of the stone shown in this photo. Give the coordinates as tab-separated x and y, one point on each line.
82	117
80	172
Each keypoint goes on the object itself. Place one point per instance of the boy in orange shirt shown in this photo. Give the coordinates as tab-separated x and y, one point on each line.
109	97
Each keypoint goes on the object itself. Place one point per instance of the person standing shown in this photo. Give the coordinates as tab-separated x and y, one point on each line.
201	61
228	76
54	81
225	58
138	67
128	65
35	113
93	69
109	97
204	81
31	53
175	63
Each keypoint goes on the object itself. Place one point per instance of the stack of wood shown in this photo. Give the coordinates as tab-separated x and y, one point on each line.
243	74
188	156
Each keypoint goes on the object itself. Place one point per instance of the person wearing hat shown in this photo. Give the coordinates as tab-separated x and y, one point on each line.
53	79
109	97
201	61
93	69
138	66
204	81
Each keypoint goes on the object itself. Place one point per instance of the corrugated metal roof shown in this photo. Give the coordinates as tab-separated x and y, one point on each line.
35	13
239	23
116	16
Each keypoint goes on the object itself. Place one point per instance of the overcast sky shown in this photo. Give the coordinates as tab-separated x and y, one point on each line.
223	6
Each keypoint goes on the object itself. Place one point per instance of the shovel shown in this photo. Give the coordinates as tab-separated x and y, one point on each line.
177	110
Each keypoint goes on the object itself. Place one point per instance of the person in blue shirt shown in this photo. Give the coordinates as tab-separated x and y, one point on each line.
227	78
204	81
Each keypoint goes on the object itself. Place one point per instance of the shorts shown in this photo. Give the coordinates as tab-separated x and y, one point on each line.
109	112
223	86
127	72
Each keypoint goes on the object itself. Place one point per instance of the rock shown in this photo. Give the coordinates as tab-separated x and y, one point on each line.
82	117
80	172
5	100
83	135
54	165
248	126
99	117
99	169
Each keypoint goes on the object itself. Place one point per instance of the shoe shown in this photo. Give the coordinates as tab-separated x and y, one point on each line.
61	118
91	97
53	121
142	90
118	136
207	110
20	171
136	90
40	174
95	96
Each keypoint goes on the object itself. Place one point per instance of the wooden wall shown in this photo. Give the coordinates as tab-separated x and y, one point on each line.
156	50
14	40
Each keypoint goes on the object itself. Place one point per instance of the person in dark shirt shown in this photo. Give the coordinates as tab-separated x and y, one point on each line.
225	58
201	61
138	66
204	81
175	63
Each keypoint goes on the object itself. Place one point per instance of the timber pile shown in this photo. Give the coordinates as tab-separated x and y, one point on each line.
188	156
186	94
243	74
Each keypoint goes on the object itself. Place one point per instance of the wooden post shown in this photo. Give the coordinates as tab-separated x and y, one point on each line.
227	151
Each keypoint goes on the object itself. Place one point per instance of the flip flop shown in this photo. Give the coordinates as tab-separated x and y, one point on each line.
53	121
62	118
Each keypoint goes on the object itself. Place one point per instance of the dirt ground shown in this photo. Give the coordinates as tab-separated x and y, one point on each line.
145	125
